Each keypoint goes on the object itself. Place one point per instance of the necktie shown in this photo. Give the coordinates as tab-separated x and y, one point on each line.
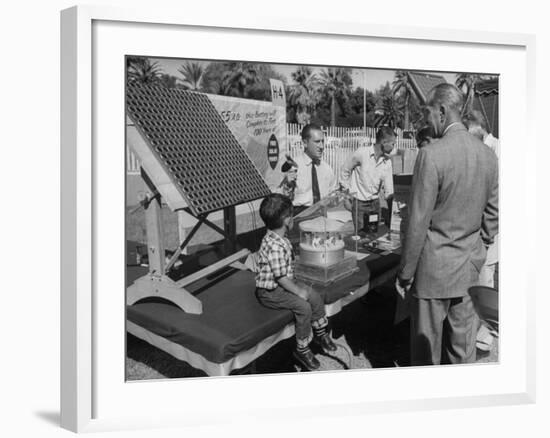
315	184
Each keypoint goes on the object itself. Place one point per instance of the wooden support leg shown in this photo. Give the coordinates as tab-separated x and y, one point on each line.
230	228
182	231
155	246
184	244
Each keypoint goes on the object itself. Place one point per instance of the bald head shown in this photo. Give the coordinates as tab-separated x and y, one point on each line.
444	107
448	95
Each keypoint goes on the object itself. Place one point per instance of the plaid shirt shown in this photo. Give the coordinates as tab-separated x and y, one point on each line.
275	260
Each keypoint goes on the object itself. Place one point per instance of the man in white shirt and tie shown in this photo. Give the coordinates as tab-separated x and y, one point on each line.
314	177
367	174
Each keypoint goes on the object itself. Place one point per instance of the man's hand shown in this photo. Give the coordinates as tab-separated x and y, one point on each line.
403	286
347	204
291	175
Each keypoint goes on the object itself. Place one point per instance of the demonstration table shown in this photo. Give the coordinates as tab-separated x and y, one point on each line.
234	328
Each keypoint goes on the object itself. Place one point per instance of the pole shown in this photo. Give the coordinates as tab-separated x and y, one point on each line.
364	72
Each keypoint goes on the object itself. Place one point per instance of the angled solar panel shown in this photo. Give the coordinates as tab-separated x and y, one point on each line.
195	149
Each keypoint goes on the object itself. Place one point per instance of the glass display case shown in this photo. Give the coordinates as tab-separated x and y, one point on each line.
321	241
321	245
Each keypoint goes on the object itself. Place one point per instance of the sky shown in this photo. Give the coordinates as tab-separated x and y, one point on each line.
371	78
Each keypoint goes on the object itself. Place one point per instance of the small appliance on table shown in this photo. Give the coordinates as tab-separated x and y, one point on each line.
322	258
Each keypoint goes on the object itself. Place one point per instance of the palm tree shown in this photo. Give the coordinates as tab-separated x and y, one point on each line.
390	108
168	81
303	95
336	82
192	73
238	78
467	83
402	85
143	70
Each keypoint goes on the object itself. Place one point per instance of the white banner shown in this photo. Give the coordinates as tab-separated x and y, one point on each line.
260	128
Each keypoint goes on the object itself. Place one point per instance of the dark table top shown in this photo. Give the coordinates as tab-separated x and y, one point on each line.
233	320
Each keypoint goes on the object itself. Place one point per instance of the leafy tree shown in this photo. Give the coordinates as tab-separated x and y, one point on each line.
261	89
387	104
168	81
249	80
336	83
143	70
354	112
238	78
382	92
416	114
212	77
192	73
356	100
393	111
303	96
402	88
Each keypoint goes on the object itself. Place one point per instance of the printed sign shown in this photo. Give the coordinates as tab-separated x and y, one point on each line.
260	128
278	96
273	151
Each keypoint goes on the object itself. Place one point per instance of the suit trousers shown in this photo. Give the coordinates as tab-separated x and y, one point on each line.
443	331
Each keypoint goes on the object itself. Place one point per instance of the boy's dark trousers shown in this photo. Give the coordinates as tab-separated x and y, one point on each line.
305	312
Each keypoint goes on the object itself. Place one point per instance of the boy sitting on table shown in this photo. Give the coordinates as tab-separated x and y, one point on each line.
277	289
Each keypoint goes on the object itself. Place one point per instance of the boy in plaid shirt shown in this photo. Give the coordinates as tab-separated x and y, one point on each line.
275	285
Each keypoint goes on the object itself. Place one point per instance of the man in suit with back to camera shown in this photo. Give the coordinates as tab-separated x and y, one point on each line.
453	218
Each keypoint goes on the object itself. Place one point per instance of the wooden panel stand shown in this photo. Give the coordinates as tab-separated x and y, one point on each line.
155	246
213	268
182	231
156	283
230	228
324	275
162	287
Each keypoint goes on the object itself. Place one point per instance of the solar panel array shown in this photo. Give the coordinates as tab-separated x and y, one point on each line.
195	147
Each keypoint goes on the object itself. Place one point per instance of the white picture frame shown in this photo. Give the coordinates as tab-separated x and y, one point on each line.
91	362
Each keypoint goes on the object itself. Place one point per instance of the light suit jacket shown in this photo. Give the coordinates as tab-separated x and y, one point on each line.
453	214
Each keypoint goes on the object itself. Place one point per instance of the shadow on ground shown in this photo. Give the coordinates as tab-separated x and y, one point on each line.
367	327
145	361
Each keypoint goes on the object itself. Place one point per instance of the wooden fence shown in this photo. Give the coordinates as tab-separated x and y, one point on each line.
340	143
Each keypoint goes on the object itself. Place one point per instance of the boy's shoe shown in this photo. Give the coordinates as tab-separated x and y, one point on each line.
307	359
325	343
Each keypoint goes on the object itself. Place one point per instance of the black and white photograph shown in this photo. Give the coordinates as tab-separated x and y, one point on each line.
275	219
291	218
